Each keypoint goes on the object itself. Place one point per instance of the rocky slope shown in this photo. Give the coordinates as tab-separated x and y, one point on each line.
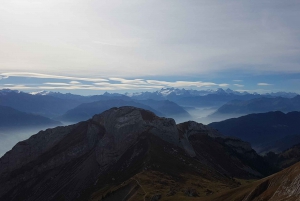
126	153
284	185
284	159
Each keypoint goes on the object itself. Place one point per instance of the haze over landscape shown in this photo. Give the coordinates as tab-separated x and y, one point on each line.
149	100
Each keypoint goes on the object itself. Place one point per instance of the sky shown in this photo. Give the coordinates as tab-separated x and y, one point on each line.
90	46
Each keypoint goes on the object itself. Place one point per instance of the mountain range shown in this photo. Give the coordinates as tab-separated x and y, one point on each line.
47	106
11	119
271	131
86	110
74	108
127	153
258	105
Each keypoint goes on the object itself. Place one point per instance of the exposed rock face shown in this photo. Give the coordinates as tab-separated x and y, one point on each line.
64	162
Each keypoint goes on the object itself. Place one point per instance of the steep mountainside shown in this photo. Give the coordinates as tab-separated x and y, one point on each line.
272	131
284	159
284	185
11	119
126	153
258	105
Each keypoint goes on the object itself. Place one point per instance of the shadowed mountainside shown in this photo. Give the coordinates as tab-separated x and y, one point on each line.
284	185
272	131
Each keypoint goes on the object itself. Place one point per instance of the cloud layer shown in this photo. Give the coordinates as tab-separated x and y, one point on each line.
103	84
149	38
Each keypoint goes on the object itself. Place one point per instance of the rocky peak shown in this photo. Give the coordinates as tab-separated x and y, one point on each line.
121	121
191	128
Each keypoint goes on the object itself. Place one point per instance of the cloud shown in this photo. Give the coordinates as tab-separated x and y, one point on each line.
57	83
239	85
179	84
114	83
3	77
17	87
224	85
75	82
44	76
126	81
237	80
264	84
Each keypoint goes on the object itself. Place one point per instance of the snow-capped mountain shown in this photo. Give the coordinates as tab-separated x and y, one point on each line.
166	93
42	93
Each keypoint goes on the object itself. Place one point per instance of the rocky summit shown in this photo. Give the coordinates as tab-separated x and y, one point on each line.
126	153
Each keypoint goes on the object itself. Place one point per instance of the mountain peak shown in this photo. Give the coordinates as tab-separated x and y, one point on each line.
42	93
7	91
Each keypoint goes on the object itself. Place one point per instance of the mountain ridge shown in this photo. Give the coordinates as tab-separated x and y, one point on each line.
96	153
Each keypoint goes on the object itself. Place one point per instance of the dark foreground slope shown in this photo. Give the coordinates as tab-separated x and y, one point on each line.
284	185
272	131
126	153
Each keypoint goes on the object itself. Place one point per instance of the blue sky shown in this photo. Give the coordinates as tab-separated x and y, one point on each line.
134	45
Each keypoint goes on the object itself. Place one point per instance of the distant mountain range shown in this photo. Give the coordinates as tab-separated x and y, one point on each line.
203	98
127	153
258	105
272	131
70	107
47	106
183	97
87	110
11	119
166	93
161	108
